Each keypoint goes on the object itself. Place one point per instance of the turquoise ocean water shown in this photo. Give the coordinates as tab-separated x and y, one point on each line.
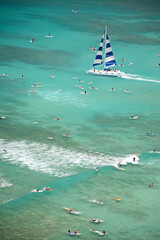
99	122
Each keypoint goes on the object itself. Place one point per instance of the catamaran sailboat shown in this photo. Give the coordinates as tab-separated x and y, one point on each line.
109	59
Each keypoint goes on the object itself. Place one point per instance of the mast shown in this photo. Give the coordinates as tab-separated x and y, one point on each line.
105	34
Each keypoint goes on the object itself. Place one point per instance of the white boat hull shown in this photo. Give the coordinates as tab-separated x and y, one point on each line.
110	73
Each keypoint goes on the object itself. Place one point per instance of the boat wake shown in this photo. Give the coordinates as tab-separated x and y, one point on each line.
57	160
138	78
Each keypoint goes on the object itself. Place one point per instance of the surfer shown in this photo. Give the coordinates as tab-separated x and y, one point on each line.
58	119
33	40
123	59
134	159
5	74
154	150
104	232
75	232
22	76
69	231
85	92
112	89
4	150
49	34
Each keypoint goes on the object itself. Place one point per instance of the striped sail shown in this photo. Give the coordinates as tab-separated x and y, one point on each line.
98	58
109	57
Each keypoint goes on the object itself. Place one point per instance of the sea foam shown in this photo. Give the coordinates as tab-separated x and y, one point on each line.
57	160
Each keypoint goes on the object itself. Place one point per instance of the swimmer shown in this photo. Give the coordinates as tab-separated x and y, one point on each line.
52	76
58	119
123	59
130	63
74	77
121	65
89	82
22	76
5	74
35	122
58	90
74	11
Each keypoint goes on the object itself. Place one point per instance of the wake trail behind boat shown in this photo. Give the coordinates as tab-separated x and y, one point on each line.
137	78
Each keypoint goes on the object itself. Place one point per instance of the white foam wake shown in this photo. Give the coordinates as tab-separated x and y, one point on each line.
138	78
57	160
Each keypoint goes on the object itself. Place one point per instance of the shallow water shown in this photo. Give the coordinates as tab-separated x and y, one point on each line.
102	133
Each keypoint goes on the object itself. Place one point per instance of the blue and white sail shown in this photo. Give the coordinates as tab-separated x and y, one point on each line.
109	57
98	59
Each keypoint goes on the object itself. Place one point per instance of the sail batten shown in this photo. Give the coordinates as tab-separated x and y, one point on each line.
98	58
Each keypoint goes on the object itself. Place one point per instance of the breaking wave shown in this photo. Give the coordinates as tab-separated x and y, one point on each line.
56	160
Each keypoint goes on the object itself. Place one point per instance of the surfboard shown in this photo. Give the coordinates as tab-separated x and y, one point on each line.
93	88
110	90
52	138
134	117
37	190
150	134
72	233
2	117
121	168
83	93
66	135
97	221
95	201
48	36
117	199
127	91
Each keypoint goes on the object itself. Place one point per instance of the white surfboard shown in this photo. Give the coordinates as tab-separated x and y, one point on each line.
48	36
83	93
